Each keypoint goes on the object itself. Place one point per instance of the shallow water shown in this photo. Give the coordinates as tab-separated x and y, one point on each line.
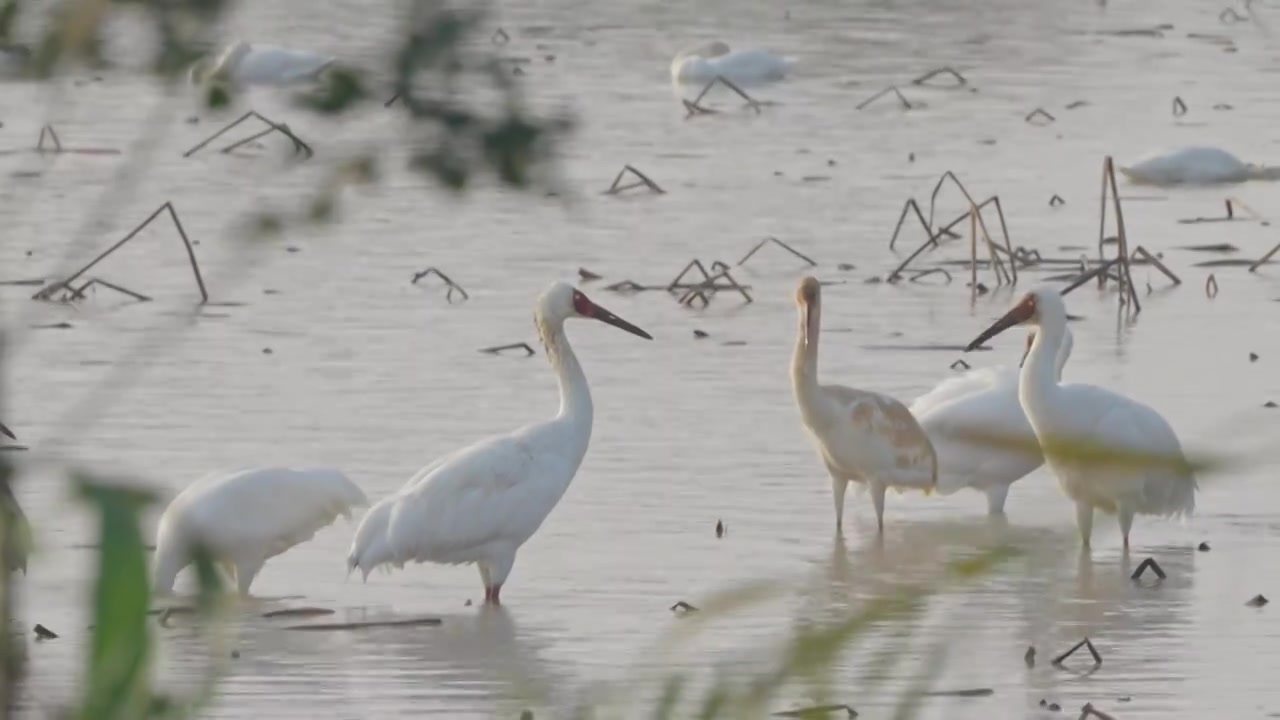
377	376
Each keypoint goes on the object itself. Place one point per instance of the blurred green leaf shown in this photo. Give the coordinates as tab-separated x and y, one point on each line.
671	691
1099	453
445	165
322	207
117	683
8	19
217	96
17	531
340	90
208	579
717	700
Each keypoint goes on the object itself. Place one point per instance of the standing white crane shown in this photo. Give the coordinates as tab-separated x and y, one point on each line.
244	518
985	397
861	436
1109	452
481	503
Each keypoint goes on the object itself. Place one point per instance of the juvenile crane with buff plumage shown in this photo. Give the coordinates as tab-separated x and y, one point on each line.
861	436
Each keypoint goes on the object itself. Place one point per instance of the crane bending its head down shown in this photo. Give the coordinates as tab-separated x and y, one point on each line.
244	518
479	504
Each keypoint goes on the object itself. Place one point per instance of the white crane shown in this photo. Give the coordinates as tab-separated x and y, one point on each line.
1196	166
481	503
986	397
244	64
244	518
1109	452
861	436
703	63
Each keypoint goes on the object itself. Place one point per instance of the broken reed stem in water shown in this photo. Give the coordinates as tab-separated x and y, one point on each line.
298	144
974	206
631	286
298	612
410	622
447	281
906	104
817	711
644	181
694	264
948	70
930	271
1149	563
57	144
1211	287
910	204
1039	116
1088	275
973	251
1141	252
694	108
1265	258
780	244
1230	216
1002	274
709	285
78	293
1128	293
47	291
499	349
1090	711
1087	643
947	229
974	213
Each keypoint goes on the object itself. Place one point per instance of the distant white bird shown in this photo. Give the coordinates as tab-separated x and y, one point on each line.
987	397
862	436
701	64
247	517
481	503
243	64
1108	451
1196	166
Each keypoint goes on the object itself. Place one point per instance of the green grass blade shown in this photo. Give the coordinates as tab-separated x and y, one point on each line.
117	684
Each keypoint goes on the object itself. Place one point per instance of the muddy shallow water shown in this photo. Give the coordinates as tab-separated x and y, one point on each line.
328	355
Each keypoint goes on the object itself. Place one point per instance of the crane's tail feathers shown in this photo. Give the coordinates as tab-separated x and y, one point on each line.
370	549
1173	499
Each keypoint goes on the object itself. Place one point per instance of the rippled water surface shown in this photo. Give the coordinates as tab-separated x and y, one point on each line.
324	353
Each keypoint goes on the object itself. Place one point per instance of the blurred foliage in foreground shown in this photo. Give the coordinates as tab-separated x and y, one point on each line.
439	56
428	67
452	141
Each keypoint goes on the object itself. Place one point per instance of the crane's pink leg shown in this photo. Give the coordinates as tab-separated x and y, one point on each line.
491	595
1126	522
877	498
838	487
1084	521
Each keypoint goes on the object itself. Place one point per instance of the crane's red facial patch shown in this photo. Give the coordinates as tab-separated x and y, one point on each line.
582	305
1024	311
1028	306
